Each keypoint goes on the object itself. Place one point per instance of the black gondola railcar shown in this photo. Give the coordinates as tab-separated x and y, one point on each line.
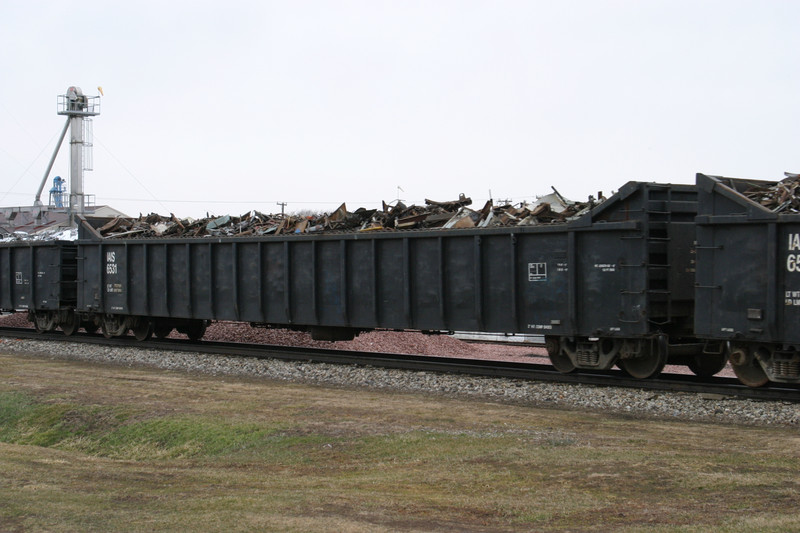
613	286
748	280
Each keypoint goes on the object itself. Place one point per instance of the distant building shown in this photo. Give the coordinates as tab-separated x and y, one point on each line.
33	219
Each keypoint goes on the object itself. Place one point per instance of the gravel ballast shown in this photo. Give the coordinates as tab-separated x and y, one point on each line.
634	402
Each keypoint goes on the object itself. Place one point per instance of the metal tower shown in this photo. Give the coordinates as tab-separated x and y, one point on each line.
79	109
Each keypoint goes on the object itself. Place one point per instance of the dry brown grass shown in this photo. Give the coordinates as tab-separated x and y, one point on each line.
100	448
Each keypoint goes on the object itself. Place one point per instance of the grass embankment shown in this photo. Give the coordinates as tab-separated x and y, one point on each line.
100	448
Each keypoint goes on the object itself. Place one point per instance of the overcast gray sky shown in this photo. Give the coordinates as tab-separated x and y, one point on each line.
231	106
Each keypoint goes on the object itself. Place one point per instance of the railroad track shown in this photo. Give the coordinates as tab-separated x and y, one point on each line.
723	387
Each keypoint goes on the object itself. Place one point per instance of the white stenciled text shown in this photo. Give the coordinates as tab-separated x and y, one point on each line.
111	263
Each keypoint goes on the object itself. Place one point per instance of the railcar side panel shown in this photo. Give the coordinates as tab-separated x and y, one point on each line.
362	276
787	297
302	287
138	279
17	278
330	275
248	279
223	263
391	271
462	273
7	279
543	286
430	286
611	284
732	278
274	280
746	276
749	282
201	280
500	284
38	276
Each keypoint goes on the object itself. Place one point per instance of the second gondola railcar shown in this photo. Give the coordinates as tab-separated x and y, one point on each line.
748	280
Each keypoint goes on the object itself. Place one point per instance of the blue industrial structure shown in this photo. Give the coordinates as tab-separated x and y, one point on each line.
57	192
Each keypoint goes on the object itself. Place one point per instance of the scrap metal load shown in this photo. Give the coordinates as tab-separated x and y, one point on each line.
780	197
549	209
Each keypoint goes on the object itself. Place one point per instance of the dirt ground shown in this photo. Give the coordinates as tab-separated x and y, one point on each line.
97	448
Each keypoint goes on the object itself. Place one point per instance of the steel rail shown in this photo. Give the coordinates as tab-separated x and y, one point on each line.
714	388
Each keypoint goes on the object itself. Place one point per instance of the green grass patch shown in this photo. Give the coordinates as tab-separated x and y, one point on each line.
14	406
120	432
178	437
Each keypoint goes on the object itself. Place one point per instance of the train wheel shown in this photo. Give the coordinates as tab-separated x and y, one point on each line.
196	330
142	329
751	374
560	361
114	326
747	368
70	324
161	331
650	363
44	321
706	365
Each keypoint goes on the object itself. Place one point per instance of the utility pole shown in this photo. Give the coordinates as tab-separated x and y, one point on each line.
282	204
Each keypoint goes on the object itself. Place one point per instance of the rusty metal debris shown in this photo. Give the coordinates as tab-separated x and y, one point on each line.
780	197
549	209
